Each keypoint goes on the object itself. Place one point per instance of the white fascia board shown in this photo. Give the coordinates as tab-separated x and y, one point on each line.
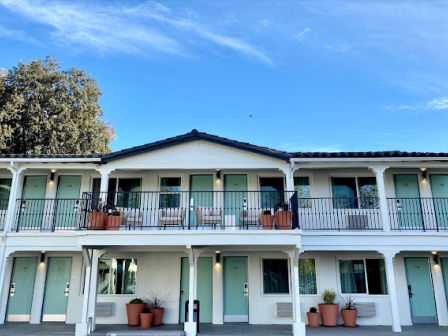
368	160
40	160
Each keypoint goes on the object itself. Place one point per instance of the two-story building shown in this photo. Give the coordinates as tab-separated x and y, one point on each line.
241	228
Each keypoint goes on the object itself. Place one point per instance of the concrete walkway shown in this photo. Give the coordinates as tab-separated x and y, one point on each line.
233	329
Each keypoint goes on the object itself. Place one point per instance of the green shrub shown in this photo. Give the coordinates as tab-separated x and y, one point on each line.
267	212
329	296
136	301
116	213
313	310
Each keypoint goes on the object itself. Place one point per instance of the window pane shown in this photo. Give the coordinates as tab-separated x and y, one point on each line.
273	195
128	196
344	191
368	193
275	276
103	276
307	276
113	277
5	190
376	276
302	186
352	276
129	276
170	184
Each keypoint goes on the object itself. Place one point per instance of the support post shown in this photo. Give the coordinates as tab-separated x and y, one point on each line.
96	256
4	290
190	326
298	327
381	187
83	328
104	187
392	289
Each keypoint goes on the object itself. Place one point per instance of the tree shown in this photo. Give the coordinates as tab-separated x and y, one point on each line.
45	110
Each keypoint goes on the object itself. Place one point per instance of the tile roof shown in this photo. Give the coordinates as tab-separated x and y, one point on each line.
51	156
383	154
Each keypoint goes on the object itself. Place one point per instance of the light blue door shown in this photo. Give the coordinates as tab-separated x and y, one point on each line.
205	288
66	205
57	289
201	194
420	290
439	188
21	289
235	290
33	206
235	187
444	262
408	196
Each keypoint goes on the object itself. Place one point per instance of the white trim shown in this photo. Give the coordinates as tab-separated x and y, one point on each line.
236	318
53	318
18	318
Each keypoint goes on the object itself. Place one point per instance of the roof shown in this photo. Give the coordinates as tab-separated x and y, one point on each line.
384	154
51	156
196	135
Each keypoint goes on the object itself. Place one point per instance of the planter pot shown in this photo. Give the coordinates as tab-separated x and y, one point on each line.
349	317
133	311
114	222
97	220
158	316
329	314
146	320
283	220
267	221
313	320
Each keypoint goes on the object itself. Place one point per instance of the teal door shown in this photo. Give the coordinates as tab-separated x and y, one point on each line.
205	288
235	290
421	295
408	196
33	205
444	262
201	194
234	196
21	289
439	188
66	204
57	289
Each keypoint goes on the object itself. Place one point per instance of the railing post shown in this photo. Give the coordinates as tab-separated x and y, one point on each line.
379	173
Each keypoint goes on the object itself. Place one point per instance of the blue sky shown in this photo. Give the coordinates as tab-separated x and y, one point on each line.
291	75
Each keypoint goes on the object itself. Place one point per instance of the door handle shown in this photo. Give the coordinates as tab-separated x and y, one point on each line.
246	289
12	289
410	291
67	289
181	292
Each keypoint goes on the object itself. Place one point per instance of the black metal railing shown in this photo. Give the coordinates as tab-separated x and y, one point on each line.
427	214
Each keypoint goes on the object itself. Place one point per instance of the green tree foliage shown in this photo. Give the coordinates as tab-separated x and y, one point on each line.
45	110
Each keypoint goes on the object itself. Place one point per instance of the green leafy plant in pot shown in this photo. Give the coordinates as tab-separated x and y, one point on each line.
267	219
313	318
133	310
349	312
157	305
146	318
329	310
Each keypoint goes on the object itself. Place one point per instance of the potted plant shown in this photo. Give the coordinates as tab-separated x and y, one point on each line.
267	219
97	217
283	218
328	309
349	312
114	220
156	305
146	318
313	318
133	310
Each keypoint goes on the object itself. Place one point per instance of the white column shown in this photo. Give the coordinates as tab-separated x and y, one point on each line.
5	278
190	326
298	327
439	292
96	256
289	176
83	328
38	293
104	188
392	289
381	187
218	293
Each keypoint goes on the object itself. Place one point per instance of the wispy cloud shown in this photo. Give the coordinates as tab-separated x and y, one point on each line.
302	34
435	105
137	29
342	48
17	35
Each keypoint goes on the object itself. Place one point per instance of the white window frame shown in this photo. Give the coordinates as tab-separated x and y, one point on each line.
317	277
108	288
357	177
262	277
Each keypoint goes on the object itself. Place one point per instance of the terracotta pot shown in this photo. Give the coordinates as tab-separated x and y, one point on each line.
267	221
329	314
97	220
146	320
133	311
114	222
349	317
313	320
158	316
283	220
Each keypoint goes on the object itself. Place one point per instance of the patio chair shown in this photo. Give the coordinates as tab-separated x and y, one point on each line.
172	217
250	217
208	216
132	217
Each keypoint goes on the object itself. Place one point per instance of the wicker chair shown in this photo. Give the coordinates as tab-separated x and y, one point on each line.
208	216
172	217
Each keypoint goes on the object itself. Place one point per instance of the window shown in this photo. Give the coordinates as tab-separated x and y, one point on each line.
128	195
117	276
272	192
170	185
351	192
307	276
302	186
355	279
5	190
275	276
